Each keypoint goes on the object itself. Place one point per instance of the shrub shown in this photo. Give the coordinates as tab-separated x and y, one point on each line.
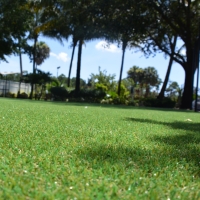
10	95
59	93
92	95
100	86
162	103
22	95
113	94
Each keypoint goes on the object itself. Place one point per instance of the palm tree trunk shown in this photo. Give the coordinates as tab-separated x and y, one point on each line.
78	71
21	70
122	65
34	54
70	67
162	92
197	70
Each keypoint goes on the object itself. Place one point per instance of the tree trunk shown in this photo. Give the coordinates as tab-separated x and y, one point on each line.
78	71
21	70
197	51
34	52
147	91
162	92
70	67
190	68
186	102
122	65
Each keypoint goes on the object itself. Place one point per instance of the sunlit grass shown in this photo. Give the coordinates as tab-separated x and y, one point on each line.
80	151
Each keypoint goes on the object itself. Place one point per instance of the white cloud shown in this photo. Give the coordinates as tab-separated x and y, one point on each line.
183	52
61	56
103	45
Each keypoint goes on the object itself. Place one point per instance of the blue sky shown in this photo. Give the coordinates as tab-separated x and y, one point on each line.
94	54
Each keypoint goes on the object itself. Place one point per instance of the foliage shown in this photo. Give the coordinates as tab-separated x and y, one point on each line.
163	15
22	95
144	78
10	95
87	94
42	52
113	94
161	103
38	78
59	93
152	24
54	82
11	77
14	24
174	90
73	82
128	83
107	80
75	150
62	79
100	86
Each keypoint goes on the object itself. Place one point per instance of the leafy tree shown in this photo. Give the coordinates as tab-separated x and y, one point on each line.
185	24
13	25
128	83
108	80
63	79
73	82
13	77
40	78
174	89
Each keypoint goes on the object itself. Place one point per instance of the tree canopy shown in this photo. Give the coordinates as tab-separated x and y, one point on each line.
146	24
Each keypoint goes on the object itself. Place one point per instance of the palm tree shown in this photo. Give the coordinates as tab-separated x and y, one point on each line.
123	27
42	52
72	57
137	75
151	78
34	31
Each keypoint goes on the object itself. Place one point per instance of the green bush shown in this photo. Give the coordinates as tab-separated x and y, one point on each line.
22	95
113	94
101	86
10	95
164	103
59	93
92	95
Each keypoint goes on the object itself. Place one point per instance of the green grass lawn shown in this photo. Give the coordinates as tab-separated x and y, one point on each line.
77	151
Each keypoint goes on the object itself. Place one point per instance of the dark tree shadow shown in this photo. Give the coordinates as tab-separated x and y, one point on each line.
183	148
118	106
140	159
61	103
184	125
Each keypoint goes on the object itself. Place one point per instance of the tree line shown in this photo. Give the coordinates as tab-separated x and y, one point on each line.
150	26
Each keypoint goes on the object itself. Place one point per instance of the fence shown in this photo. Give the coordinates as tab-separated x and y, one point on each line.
13	87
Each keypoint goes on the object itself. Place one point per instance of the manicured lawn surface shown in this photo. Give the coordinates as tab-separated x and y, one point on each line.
80	151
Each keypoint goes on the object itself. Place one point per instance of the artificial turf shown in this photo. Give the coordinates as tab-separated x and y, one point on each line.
52	150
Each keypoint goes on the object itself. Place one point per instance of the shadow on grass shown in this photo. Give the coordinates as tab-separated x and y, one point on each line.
136	158
185	125
101	105
168	151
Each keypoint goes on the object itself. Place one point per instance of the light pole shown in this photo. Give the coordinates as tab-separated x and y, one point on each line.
57	70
